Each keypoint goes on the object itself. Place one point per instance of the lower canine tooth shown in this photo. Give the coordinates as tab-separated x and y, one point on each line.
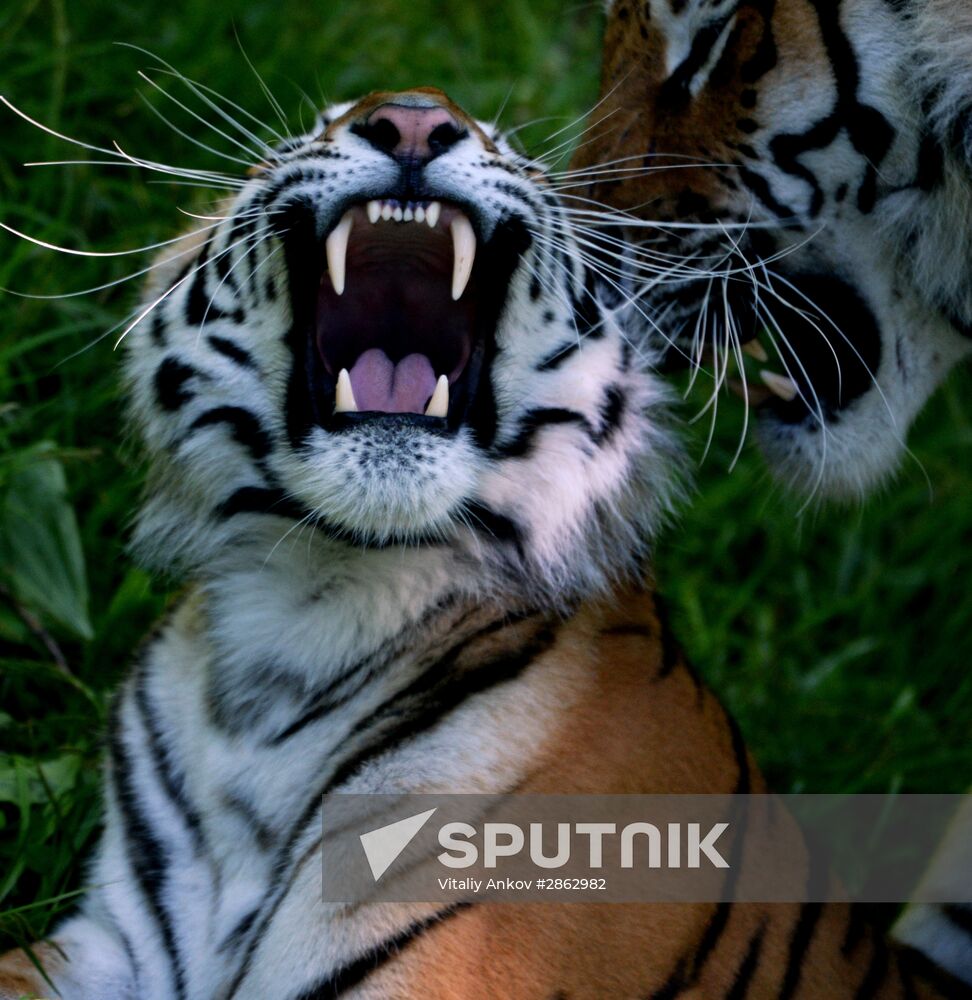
337	252
464	254
755	350
779	385
439	403
344	394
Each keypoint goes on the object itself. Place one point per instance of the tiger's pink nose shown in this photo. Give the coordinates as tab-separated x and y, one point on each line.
412	134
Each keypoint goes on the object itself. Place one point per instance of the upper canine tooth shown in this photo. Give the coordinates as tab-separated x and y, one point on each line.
779	385
337	252
432	214
439	403
464	254
755	350
344	395
374	211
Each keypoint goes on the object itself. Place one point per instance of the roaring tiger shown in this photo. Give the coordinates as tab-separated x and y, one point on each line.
411	462
826	148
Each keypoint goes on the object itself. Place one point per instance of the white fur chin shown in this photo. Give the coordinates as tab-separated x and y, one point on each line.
383	482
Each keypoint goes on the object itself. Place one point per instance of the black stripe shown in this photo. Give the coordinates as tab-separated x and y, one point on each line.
612	410
170	383
671	651
959	916
146	853
535	421
857	927
760	187
877	970
499	527
672	986
675	90
230	349
747	968
631	629
260	500
172	781
437	692
799	943
322	702
247	429
200	307
559	355
354	973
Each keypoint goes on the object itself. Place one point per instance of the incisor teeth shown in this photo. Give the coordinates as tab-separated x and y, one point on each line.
344	394
439	403
386	211
408	214
374	211
755	350
779	385
432	214
337	252
398	213
419	213
464	254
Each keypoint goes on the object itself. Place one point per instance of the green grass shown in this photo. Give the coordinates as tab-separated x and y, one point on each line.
841	639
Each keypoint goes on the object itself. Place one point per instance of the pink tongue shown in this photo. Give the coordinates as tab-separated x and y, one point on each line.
379	384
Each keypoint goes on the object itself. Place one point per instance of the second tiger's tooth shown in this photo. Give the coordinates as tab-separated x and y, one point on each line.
337	252
464	254
344	401
779	385
755	350
439	403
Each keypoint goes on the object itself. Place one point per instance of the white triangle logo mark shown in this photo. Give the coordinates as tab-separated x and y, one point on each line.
384	845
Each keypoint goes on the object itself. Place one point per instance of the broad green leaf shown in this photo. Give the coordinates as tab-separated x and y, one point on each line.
21	779
41	559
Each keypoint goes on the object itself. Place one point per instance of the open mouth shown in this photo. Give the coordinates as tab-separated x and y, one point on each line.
401	321
807	354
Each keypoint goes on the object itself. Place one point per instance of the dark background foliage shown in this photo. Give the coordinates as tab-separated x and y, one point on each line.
840	638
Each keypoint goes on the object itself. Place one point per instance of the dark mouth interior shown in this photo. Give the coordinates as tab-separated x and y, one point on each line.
405	330
396	328
823	338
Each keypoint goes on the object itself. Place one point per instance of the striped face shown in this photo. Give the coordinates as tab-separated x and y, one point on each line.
820	152
391	338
